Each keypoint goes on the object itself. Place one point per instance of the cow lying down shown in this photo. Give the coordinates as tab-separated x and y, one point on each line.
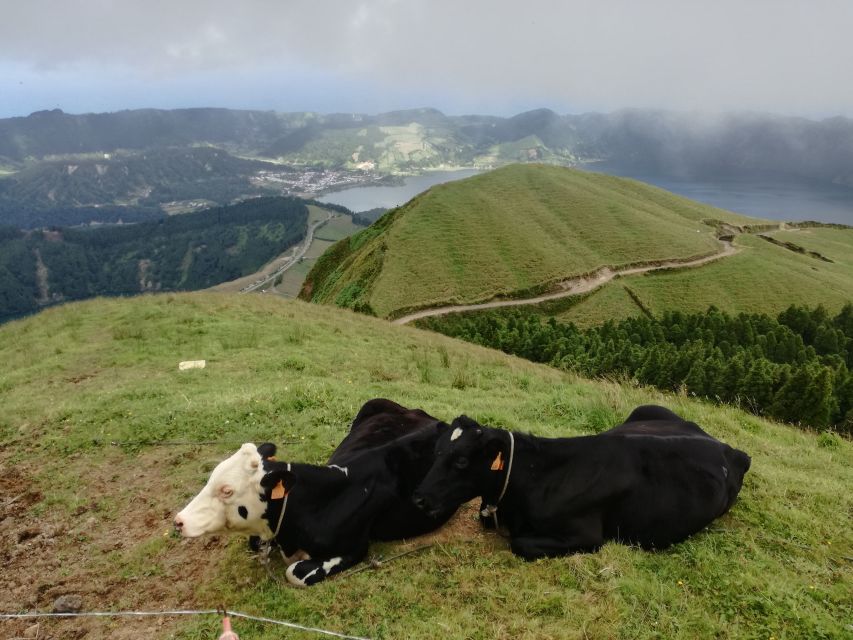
323	516
651	481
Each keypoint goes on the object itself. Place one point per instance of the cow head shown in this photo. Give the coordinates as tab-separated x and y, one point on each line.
233	498
469	462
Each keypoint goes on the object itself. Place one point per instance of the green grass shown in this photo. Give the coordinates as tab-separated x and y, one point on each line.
337	228
78	376
835	244
515	229
761	278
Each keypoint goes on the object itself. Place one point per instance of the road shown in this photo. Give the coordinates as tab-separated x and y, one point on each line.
572	286
300	251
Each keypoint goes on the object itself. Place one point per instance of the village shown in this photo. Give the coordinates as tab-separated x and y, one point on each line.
309	182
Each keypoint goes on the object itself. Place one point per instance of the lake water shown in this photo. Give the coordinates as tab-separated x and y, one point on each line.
775	199
388	197
763	198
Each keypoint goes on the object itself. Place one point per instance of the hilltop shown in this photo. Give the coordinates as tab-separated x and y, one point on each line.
510	232
88	517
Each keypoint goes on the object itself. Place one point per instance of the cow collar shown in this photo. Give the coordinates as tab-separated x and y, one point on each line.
281	513
492	509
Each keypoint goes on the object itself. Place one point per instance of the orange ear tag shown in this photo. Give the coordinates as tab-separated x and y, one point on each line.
278	491
498	463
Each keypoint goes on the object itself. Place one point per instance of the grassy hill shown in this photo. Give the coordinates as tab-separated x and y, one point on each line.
761	278
80	515
518	229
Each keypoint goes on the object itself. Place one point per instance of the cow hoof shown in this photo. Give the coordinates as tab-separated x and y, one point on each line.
305	573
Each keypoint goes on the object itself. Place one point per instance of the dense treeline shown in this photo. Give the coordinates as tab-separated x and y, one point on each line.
190	251
795	368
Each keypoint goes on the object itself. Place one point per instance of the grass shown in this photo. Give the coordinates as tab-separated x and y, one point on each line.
79	376
761	278
515	229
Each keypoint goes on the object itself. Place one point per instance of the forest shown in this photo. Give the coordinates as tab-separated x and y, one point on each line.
185	252
795	367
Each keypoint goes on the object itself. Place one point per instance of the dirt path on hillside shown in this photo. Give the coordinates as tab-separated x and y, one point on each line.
572	286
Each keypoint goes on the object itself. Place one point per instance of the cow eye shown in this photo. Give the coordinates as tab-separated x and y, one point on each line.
461	462
225	491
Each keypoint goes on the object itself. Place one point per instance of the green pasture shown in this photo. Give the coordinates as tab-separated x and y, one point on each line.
760	278
80	376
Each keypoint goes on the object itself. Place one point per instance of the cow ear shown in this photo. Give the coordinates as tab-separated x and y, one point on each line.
277	484
267	450
441	427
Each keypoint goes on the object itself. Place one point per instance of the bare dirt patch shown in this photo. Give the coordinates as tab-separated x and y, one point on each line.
112	549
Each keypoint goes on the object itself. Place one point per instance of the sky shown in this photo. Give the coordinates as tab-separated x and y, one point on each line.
791	57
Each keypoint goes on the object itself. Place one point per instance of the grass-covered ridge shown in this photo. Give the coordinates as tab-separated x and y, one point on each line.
517	229
760	278
91	517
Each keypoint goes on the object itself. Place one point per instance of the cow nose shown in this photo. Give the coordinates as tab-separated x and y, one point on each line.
179	524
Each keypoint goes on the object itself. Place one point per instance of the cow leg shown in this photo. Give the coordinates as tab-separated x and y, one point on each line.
583	536
305	573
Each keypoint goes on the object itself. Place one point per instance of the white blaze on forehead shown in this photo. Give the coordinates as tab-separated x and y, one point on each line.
212	510
456	433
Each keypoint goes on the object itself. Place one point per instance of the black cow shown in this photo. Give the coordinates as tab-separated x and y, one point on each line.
651	481
323	516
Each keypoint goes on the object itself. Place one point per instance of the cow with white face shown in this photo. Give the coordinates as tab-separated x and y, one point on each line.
232	499
323	516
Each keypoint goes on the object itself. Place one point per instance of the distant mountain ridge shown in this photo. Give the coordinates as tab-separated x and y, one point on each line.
674	143
62	169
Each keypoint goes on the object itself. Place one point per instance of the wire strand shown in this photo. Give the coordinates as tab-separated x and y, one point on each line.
179	612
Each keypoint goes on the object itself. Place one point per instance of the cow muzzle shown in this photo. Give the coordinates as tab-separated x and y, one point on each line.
425	504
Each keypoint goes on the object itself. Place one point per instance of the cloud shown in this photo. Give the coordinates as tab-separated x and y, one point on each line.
788	56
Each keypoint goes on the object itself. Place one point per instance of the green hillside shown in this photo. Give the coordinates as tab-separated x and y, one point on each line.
514	230
128	187
186	252
761	278
80	515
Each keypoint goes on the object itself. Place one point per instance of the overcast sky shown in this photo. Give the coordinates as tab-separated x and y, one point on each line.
461	56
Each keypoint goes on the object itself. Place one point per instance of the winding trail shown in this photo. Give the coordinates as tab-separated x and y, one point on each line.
572	286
